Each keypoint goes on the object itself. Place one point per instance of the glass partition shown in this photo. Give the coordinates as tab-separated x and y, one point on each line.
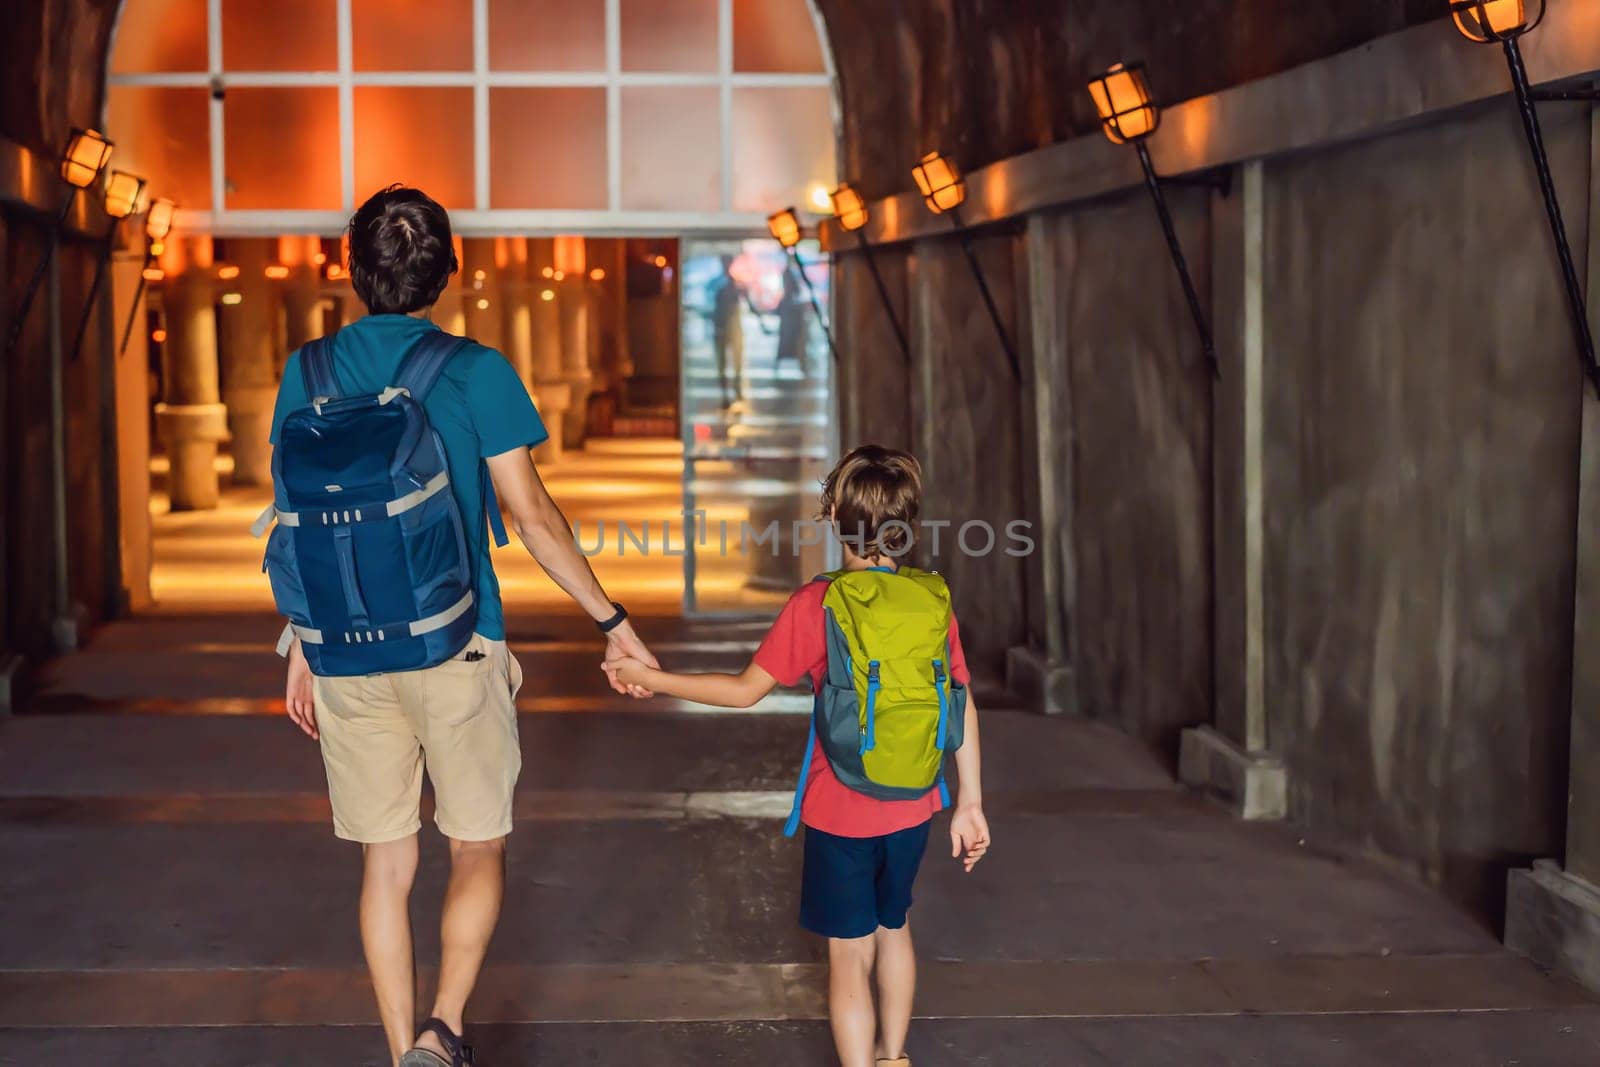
643	116
757	433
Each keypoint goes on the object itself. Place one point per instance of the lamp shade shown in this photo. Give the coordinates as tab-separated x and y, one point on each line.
85	157
124	194
158	223
1496	20
785	227
848	207
939	182
1122	97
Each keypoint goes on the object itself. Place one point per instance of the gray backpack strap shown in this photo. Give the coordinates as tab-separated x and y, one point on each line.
316	367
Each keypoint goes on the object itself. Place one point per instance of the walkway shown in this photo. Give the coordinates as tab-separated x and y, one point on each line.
170	891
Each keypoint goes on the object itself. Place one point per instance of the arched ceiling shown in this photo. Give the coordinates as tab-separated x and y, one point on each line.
978	79
52	68
981	80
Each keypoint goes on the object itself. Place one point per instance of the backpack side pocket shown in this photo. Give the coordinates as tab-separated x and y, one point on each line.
282	565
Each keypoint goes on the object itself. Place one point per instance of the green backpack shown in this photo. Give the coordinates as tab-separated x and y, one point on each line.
888	711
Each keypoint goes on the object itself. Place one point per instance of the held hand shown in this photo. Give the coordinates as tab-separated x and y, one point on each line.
627	670
623	643
969	832
302	709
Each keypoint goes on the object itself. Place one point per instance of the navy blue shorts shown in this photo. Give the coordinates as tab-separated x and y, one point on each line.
853	885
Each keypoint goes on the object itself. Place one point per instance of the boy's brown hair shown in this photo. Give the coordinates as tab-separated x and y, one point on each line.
874	495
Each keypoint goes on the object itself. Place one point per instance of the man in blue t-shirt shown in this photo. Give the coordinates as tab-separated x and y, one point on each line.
458	718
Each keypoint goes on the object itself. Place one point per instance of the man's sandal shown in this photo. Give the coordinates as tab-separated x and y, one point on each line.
903	1061
460	1052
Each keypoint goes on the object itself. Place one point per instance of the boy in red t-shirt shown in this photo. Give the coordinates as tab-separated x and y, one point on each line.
861	853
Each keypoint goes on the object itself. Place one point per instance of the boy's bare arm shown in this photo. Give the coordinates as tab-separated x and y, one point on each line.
720	690
969	792
969	829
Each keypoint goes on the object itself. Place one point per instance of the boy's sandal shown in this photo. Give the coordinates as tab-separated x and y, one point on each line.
460	1052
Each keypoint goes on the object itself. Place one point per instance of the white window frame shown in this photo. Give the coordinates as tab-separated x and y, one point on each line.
481	219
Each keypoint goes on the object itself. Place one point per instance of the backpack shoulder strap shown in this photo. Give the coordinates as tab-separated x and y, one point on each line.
316	367
423	364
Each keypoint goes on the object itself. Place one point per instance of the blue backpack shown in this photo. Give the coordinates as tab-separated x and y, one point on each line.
369	558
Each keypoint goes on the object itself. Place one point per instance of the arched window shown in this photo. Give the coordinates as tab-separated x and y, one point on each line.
589	116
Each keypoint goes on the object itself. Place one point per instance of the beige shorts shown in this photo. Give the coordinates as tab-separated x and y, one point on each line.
459	718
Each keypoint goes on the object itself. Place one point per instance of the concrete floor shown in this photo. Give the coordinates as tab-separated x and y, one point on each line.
170	891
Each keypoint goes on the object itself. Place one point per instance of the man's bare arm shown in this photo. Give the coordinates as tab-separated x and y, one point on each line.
544	531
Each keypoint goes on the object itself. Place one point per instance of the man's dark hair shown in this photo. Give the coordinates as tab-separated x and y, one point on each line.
401	255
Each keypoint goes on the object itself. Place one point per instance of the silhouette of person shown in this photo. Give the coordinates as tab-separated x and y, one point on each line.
793	323
727	332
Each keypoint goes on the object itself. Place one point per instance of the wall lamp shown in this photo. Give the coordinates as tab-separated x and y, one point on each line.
85	157
157	224
1129	115
1485	21
851	211
124	197
944	191
785	229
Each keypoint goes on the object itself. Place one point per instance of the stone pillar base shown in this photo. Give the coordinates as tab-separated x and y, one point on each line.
1255	785
191	433
553	400
1045	684
575	424
67	631
1553	917
249	425
10	667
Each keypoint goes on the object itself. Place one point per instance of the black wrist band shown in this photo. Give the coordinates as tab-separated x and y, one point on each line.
615	621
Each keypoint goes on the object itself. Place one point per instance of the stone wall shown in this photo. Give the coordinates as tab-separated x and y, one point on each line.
52	72
1422	427
982	80
966	428
1137	394
1397	629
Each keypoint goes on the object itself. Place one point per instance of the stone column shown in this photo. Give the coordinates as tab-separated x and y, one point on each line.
610	257
1041	670
481	285
572	296
191	419
553	392
449	314
247	357
1553	909
1232	758
516	309
577	353
302	292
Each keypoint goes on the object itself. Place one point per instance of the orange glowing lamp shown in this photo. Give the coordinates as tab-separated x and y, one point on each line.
1122	97
848	207
277	272
158	223
124	194
598	274
1495	20
785	227
86	156
227	272
940	183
